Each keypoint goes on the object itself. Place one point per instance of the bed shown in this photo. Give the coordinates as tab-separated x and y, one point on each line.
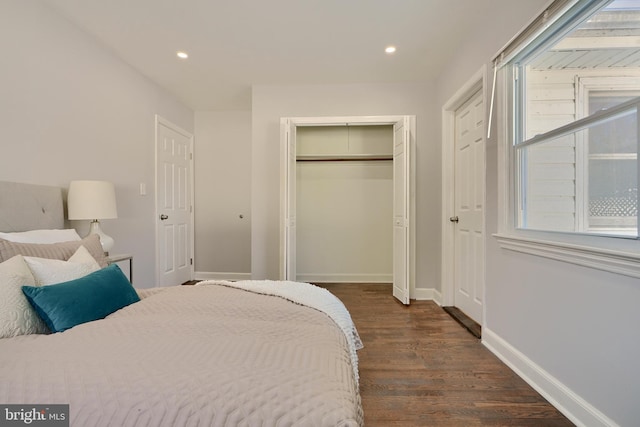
250	353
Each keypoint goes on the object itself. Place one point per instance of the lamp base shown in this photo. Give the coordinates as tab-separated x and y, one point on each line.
105	240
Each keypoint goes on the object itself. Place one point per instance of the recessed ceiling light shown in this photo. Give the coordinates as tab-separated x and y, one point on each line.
182	55
390	49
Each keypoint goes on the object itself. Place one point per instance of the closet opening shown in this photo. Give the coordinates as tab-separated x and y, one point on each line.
348	200
344	204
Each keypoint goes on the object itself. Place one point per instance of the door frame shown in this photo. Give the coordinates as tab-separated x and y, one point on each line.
159	120
475	83
287	122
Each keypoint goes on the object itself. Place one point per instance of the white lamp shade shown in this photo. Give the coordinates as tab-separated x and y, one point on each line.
91	200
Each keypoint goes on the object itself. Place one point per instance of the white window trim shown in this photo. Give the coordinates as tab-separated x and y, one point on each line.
620	262
615	255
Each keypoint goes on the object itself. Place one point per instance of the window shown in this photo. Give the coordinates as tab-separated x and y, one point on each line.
576	123
612	164
571	101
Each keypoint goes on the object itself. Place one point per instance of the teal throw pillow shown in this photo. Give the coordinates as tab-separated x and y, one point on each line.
92	297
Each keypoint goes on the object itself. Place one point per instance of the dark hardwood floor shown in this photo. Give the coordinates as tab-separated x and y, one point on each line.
419	367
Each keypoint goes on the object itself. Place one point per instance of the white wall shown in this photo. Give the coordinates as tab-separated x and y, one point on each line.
270	103
69	109
572	329
223	194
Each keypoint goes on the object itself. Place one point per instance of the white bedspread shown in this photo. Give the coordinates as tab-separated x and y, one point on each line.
310	296
208	355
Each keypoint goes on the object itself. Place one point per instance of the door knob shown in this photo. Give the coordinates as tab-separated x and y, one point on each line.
163	217
453	219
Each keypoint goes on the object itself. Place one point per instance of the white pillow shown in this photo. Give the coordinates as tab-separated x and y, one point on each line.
17	317
42	236
50	271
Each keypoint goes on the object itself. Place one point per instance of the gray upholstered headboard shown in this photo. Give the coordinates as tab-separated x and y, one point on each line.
30	207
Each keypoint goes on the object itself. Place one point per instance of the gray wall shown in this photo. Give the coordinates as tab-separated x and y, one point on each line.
69	110
270	103
577	324
223	194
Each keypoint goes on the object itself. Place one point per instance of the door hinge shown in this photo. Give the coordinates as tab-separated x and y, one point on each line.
191	261
516	72
190	156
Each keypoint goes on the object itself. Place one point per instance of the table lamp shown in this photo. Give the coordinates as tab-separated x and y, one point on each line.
93	200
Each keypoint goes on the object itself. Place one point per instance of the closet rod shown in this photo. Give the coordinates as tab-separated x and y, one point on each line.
343	159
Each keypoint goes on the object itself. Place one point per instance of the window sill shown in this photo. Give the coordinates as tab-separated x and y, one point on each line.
619	262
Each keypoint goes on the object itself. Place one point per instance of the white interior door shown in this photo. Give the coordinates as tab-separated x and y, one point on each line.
174	224
469	207
401	211
290	200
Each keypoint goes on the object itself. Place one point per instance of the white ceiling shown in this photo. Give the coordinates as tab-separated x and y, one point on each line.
236	43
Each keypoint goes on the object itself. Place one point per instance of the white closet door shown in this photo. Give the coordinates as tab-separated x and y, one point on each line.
288	229
401	210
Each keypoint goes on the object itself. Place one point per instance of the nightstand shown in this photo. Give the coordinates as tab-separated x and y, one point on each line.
112	259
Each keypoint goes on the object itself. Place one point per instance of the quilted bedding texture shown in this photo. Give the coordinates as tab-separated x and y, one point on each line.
192	356
309	295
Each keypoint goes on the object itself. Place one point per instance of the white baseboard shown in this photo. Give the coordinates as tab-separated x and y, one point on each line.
579	411
209	275
427	294
345	278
